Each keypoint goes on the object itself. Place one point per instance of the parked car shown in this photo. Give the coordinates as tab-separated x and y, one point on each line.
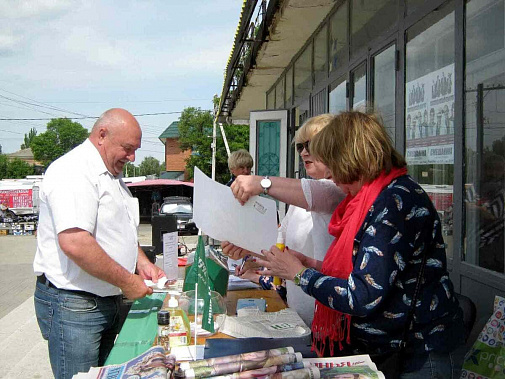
182	209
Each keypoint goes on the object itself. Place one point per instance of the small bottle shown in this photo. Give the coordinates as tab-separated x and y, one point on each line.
180	330
164	329
280	245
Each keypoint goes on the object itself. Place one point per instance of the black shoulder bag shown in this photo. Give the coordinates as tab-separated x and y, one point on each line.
391	363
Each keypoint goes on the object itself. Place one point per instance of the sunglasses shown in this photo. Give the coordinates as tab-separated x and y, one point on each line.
301	146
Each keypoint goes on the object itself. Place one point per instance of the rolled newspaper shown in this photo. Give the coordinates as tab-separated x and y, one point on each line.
254	362
263	372
237	358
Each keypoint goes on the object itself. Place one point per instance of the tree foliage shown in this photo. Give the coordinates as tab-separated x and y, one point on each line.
14	168
195	134
150	166
4	163
18	169
29	138
129	170
62	135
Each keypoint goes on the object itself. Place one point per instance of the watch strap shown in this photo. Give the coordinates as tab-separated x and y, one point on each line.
298	276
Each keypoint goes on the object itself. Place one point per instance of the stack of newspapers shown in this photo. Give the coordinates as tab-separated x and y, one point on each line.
279	363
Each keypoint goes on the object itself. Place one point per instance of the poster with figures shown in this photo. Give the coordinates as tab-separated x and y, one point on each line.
429	118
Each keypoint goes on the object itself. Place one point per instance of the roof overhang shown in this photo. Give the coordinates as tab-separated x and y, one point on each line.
292	24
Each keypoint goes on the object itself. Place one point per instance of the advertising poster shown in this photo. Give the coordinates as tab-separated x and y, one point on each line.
16	198
429	118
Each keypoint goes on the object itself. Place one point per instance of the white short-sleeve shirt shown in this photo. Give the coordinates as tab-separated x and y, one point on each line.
322	197
79	192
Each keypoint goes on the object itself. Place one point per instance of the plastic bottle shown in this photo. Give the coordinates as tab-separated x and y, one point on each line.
164	329
280	245
180	330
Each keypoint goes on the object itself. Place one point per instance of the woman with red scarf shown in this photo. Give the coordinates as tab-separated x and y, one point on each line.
384	227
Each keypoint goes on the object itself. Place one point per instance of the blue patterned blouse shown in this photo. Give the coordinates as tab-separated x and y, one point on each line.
401	225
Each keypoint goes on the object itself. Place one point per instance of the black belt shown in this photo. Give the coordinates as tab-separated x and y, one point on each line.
43	279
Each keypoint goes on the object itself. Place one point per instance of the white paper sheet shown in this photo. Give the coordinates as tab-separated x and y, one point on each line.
218	214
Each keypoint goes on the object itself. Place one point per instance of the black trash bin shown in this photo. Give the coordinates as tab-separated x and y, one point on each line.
149	251
162	224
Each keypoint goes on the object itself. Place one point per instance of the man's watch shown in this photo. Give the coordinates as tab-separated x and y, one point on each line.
298	276
266	183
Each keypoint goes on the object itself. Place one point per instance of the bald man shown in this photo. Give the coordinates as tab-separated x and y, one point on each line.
87	249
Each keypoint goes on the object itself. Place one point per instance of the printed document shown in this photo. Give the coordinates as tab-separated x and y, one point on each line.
218	214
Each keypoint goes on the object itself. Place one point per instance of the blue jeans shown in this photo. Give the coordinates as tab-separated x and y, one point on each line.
80	328
439	366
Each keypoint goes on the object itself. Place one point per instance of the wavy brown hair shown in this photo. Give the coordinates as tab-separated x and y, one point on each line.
355	146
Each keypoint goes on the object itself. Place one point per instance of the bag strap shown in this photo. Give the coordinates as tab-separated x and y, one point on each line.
410	315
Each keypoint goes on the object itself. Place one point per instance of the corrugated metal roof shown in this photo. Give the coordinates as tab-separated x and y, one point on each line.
171	132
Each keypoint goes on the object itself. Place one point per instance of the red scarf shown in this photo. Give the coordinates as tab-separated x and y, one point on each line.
344	225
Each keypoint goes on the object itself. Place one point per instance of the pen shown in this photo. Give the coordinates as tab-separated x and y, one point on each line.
242	266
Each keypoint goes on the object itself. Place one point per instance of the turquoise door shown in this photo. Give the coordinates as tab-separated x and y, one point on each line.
267	161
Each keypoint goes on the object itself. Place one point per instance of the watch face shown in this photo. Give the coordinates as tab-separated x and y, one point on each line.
265	183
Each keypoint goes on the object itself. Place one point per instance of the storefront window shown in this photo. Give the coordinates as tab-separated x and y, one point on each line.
289	87
279	94
339	53
485	134
370	19
358	85
303	74
384	83
429	112
320	55
338	99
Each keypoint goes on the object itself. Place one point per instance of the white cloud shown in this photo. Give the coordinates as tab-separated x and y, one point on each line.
8	43
22	9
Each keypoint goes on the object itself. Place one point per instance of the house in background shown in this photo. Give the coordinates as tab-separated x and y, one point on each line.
175	158
26	155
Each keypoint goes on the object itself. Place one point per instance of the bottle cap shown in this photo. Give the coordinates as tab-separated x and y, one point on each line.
280	237
163	318
172	302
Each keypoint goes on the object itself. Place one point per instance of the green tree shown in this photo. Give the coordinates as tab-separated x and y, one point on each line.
4	163
18	169
62	135
29	138
150	166
129	170
195	134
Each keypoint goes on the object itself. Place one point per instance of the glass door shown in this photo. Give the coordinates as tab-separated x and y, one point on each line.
384	87
358	87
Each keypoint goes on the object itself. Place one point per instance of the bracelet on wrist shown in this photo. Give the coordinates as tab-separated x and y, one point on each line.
298	276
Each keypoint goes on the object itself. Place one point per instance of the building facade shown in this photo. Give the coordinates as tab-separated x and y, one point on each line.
175	158
435	72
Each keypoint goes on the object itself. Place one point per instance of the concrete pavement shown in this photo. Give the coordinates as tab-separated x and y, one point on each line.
23	353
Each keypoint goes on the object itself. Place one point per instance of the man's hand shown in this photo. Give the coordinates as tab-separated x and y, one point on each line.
135	288
246	186
148	270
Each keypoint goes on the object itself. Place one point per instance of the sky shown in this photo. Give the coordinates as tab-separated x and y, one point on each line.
76	58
